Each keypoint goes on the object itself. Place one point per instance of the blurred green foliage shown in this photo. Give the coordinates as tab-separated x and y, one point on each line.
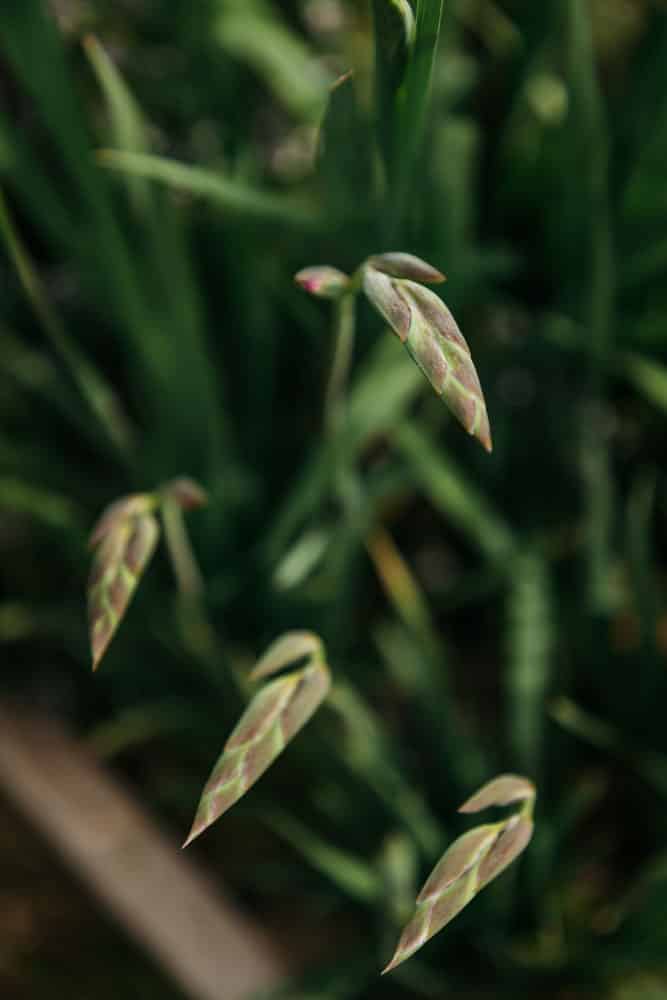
149	328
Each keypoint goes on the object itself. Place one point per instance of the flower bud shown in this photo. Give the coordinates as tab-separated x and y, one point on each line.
187	494
324	282
425	325
405	265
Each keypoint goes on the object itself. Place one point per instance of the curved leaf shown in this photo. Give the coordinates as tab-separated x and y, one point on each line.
273	718
124	538
472	861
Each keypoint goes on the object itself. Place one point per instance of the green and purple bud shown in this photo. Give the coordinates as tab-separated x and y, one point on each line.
124	540
425	325
406	265
323	282
471	862
274	716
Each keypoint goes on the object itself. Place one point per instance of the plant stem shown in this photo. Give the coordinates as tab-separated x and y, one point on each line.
344	331
186	570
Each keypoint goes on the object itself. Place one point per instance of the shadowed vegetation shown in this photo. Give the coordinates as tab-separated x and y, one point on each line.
166	167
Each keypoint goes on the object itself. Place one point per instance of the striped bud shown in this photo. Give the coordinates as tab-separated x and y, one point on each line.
405	265
273	717
471	862
425	325
124	540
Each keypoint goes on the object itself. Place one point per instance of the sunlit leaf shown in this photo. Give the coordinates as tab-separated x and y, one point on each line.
124	540
472	861
274	716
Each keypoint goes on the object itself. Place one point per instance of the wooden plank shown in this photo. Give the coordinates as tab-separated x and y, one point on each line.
140	875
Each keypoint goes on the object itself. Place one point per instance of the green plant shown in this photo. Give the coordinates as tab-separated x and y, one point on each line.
127	533
480	613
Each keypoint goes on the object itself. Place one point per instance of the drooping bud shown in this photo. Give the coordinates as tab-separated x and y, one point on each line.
188	494
429	331
406	265
324	282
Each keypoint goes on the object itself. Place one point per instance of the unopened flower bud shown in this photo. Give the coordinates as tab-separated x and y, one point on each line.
425	325
324	282
406	265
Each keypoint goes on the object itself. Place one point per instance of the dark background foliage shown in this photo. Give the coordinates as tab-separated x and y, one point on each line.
481	614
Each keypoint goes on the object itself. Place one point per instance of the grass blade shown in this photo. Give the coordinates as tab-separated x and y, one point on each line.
530	641
412	106
352	874
129	130
233	196
98	395
450	493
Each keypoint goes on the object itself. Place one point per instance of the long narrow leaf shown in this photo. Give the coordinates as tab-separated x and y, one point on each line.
232	195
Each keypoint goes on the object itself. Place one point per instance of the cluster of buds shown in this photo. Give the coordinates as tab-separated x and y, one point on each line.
392	282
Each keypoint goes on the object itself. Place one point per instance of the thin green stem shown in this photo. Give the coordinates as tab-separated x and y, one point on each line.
344	332
186	570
